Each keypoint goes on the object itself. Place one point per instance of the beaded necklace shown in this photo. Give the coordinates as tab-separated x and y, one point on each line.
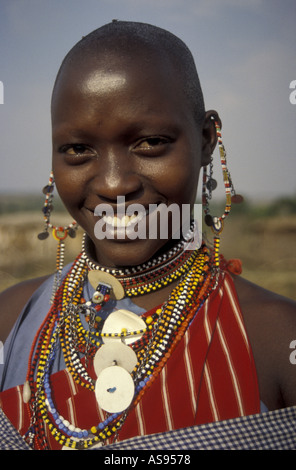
63	328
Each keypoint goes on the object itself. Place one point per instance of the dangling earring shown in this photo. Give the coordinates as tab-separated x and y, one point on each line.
59	233
210	184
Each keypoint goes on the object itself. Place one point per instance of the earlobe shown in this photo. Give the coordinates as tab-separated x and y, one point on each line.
209	135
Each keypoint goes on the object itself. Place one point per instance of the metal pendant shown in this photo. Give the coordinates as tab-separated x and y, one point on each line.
114	353
114	389
123	325
96	277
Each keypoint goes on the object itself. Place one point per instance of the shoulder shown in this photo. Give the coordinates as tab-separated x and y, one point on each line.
270	321
12	302
254	298
261	307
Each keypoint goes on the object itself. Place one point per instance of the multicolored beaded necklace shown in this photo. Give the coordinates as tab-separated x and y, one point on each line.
151	344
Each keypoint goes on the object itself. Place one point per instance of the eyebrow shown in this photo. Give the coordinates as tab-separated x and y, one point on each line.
146	127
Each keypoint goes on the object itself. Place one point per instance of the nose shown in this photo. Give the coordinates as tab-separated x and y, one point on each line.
116	175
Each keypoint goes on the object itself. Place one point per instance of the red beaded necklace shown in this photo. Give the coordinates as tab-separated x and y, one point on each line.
62	328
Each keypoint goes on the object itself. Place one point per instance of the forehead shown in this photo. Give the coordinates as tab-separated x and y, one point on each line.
146	72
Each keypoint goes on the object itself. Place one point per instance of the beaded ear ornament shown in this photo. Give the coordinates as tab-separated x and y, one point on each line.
59	233
209	185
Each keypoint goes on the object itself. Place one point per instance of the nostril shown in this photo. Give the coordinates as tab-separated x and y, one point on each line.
128	197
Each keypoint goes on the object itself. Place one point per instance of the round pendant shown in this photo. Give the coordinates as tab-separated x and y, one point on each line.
218	224
43	235
120	323
114	353
211	184
237	199
95	277
72	232
114	389
209	220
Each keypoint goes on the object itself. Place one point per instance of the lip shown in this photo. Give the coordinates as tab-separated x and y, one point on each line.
123	213
124	228
124	223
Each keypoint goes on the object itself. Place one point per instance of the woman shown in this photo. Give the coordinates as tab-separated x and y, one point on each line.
143	335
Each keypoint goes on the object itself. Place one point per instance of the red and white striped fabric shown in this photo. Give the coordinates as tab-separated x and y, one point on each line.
210	376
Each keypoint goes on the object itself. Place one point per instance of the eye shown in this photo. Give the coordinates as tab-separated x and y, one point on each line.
153	146
77	151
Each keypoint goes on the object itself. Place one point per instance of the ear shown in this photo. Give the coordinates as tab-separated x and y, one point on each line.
209	136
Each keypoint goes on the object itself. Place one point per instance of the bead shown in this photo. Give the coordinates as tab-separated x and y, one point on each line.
26	392
98	297
48	189
153	345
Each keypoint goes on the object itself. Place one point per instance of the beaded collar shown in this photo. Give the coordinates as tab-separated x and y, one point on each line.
152	342
152	275
154	263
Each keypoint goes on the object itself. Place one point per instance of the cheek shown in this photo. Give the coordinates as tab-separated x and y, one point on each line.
180	179
69	184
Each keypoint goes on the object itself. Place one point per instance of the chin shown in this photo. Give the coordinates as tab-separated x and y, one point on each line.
126	253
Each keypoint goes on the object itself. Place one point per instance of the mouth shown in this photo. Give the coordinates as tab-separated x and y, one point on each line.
137	221
124	221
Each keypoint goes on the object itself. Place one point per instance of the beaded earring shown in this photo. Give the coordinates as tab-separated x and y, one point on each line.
59	233
209	184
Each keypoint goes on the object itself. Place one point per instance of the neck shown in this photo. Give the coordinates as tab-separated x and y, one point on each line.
171	250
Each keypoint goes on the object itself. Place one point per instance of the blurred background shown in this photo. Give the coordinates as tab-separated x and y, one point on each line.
245	54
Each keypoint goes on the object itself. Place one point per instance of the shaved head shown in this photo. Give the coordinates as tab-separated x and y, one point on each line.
146	44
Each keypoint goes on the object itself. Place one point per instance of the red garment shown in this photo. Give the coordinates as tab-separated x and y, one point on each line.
210	376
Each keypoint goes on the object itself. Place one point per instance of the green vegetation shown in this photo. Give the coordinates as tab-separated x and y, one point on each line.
282	206
12	203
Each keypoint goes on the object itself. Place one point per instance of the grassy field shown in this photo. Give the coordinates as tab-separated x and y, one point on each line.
263	238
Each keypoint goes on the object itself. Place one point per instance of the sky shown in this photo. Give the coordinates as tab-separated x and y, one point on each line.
245	55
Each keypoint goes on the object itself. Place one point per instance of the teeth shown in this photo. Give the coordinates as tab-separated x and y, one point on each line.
124	221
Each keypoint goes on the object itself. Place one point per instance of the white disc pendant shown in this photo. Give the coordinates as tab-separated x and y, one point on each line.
122	320
114	353
114	389
95	277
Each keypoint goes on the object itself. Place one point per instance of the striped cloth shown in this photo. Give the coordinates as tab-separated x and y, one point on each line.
210	377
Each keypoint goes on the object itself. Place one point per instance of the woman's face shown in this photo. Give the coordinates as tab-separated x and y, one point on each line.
123	130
